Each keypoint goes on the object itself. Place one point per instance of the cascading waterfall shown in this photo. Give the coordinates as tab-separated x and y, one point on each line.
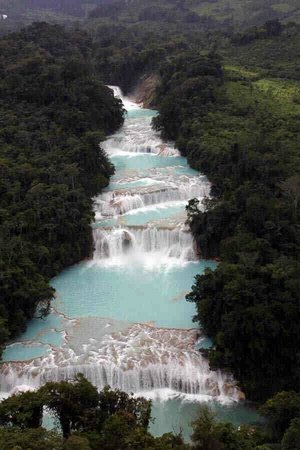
120	202
140	359
174	243
105	346
138	136
144	145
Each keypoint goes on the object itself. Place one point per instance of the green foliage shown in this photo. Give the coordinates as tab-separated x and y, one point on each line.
204	436
271	28
73	404
209	434
22	411
239	13
54	113
291	438
79	407
275	56
75	442
258	304
119	431
30	439
237	122
112	419
280	410
187	93
88	419
113	401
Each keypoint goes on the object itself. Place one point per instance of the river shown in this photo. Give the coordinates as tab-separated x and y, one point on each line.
121	317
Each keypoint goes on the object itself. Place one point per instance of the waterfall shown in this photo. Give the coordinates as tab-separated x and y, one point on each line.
187	378
139	359
120	202
127	102
110	204
141	144
174	243
137	137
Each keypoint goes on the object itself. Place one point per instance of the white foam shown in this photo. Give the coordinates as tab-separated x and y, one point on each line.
141	359
138	242
119	202
127	102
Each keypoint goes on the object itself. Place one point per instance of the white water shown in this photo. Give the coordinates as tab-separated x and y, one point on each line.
138	136
174	243
140	358
137	271
122	201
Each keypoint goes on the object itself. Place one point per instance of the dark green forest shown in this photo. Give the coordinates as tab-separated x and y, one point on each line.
229	96
54	113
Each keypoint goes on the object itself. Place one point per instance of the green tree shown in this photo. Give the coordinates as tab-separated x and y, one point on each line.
209	434
114	401
291	438
76	442
280	410
24	410
30	439
73	403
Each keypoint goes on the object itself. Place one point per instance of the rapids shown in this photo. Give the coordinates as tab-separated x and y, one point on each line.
121	318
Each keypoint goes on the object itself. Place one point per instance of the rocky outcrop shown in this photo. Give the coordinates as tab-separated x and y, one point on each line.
146	89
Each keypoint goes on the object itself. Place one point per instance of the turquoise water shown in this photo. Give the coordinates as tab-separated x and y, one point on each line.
139	113
22	352
133	294
204	344
147	161
176	415
99	302
131	184
158	168
105	223
143	216
40	328
35	341
153	213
